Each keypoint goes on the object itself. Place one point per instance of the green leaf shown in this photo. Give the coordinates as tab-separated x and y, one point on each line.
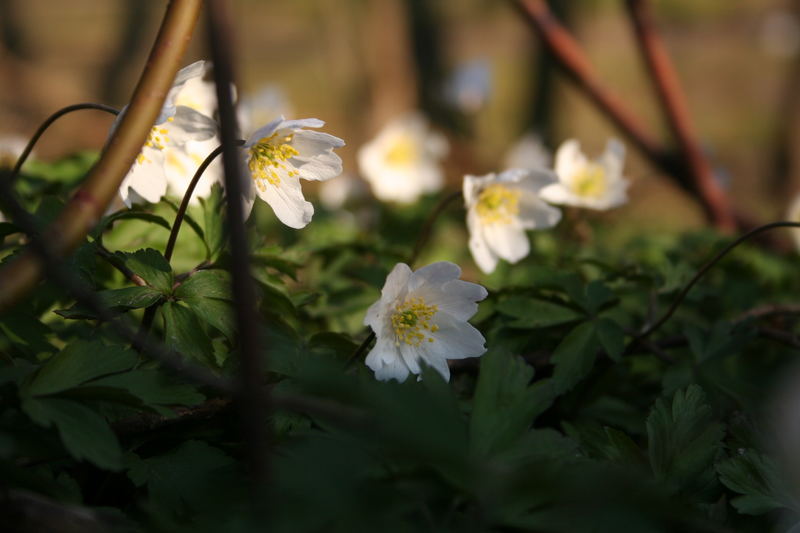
622	450
612	338
153	388
179	480
184	333
574	356
79	362
116	299
598	295
191	222
532	313
213	213
757	478
684	441
84	433
20	331
206	284
108	221
151	266
216	313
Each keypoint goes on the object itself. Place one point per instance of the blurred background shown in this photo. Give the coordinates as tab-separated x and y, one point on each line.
473	66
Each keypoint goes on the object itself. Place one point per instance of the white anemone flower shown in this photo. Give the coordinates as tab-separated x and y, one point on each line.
402	162
280	154
594	184
422	317
175	125
500	207
528	152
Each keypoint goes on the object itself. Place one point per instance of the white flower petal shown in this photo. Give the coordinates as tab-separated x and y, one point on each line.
264	131
456	339
385	360
509	241
557	193
396	283
146	177
613	159
287	201
319	168
457	298
569	159
434	274
484	257
535	214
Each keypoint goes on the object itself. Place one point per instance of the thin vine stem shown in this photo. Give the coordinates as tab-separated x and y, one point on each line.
422	240
49	122
700	273
187	196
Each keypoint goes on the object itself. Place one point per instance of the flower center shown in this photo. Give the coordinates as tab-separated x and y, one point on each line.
590	181
268	155
411	321
155	140
402	151
498	204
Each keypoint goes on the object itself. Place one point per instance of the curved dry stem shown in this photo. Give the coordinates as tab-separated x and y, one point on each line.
700	273
90	202
176	226
49	122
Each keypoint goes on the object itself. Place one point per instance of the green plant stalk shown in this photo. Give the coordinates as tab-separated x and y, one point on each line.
89	203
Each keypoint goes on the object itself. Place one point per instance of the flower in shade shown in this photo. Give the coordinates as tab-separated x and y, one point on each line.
402	162
594	184
280	154
175	126
500	207
528	152
422	318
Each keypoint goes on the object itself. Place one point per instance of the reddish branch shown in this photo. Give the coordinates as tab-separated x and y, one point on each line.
673	104
691	170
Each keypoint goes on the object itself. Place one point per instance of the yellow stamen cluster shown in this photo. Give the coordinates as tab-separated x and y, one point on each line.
411	321
590	181
402	151
498	204
270	154
155	140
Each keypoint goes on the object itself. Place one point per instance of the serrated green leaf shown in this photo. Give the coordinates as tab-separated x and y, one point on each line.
78	363
84	433
153	388
684	441
151	266
184	333
574	356
622	450
611	337
757	478
534	313
213	213
206	284
116	299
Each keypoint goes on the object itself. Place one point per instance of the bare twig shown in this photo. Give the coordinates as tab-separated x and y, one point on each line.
673	104
89	203
46	124
767	311
115	262
252	399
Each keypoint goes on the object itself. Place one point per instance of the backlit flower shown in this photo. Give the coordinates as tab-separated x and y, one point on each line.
175	125
402	162
422	318
500	207
594	184
280	154
528	152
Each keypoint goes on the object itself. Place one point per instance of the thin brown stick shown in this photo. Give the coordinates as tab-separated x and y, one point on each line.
572	60
114	261
90	202
252	401
676	111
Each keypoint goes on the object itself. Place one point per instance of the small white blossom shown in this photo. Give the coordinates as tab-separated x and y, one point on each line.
500	207
528	152
176	125
422	317
402	162
280	154
594	184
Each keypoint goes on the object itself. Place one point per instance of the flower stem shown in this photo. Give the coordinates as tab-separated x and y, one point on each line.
49	122
700	273
176	226
89	203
